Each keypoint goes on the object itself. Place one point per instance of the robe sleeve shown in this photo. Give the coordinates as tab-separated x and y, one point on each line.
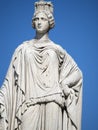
8	95
71	84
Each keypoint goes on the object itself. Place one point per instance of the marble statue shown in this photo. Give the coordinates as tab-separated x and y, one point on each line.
43	86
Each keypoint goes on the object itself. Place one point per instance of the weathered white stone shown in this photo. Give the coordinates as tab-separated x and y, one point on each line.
43	86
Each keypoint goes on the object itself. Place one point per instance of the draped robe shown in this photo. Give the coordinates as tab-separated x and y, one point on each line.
36	77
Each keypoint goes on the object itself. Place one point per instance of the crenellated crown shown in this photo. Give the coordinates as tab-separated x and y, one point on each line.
42	5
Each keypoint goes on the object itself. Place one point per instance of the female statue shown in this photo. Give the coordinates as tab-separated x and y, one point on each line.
43	86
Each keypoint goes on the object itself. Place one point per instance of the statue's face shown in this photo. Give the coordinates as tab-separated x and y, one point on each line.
41	23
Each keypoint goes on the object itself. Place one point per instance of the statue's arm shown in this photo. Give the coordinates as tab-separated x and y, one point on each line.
71	81
70	77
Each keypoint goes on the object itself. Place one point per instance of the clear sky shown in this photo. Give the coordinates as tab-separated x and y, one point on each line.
76	30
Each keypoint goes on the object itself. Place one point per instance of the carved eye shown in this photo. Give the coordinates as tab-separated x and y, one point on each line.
36	19
44	19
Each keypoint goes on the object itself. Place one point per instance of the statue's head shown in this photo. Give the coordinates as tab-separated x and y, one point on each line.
43	10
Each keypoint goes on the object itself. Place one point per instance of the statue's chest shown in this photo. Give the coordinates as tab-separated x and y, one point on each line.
45	57
43	60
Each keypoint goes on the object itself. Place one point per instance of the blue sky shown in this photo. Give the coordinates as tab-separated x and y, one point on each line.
76	30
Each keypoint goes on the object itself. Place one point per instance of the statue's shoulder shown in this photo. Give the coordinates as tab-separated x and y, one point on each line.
59	48
23	46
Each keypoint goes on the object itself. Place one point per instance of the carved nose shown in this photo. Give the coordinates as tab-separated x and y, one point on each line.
39	23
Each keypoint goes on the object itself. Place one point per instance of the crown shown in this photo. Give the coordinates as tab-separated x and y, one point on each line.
42	5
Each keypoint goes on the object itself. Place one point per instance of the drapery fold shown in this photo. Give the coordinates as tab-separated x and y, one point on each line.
19	90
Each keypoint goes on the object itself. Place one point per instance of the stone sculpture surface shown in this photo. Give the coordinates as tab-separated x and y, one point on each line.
43	86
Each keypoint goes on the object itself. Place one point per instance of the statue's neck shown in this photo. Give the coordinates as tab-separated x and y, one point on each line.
41	37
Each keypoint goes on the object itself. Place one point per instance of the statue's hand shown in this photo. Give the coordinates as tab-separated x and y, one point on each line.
66	90
59	99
